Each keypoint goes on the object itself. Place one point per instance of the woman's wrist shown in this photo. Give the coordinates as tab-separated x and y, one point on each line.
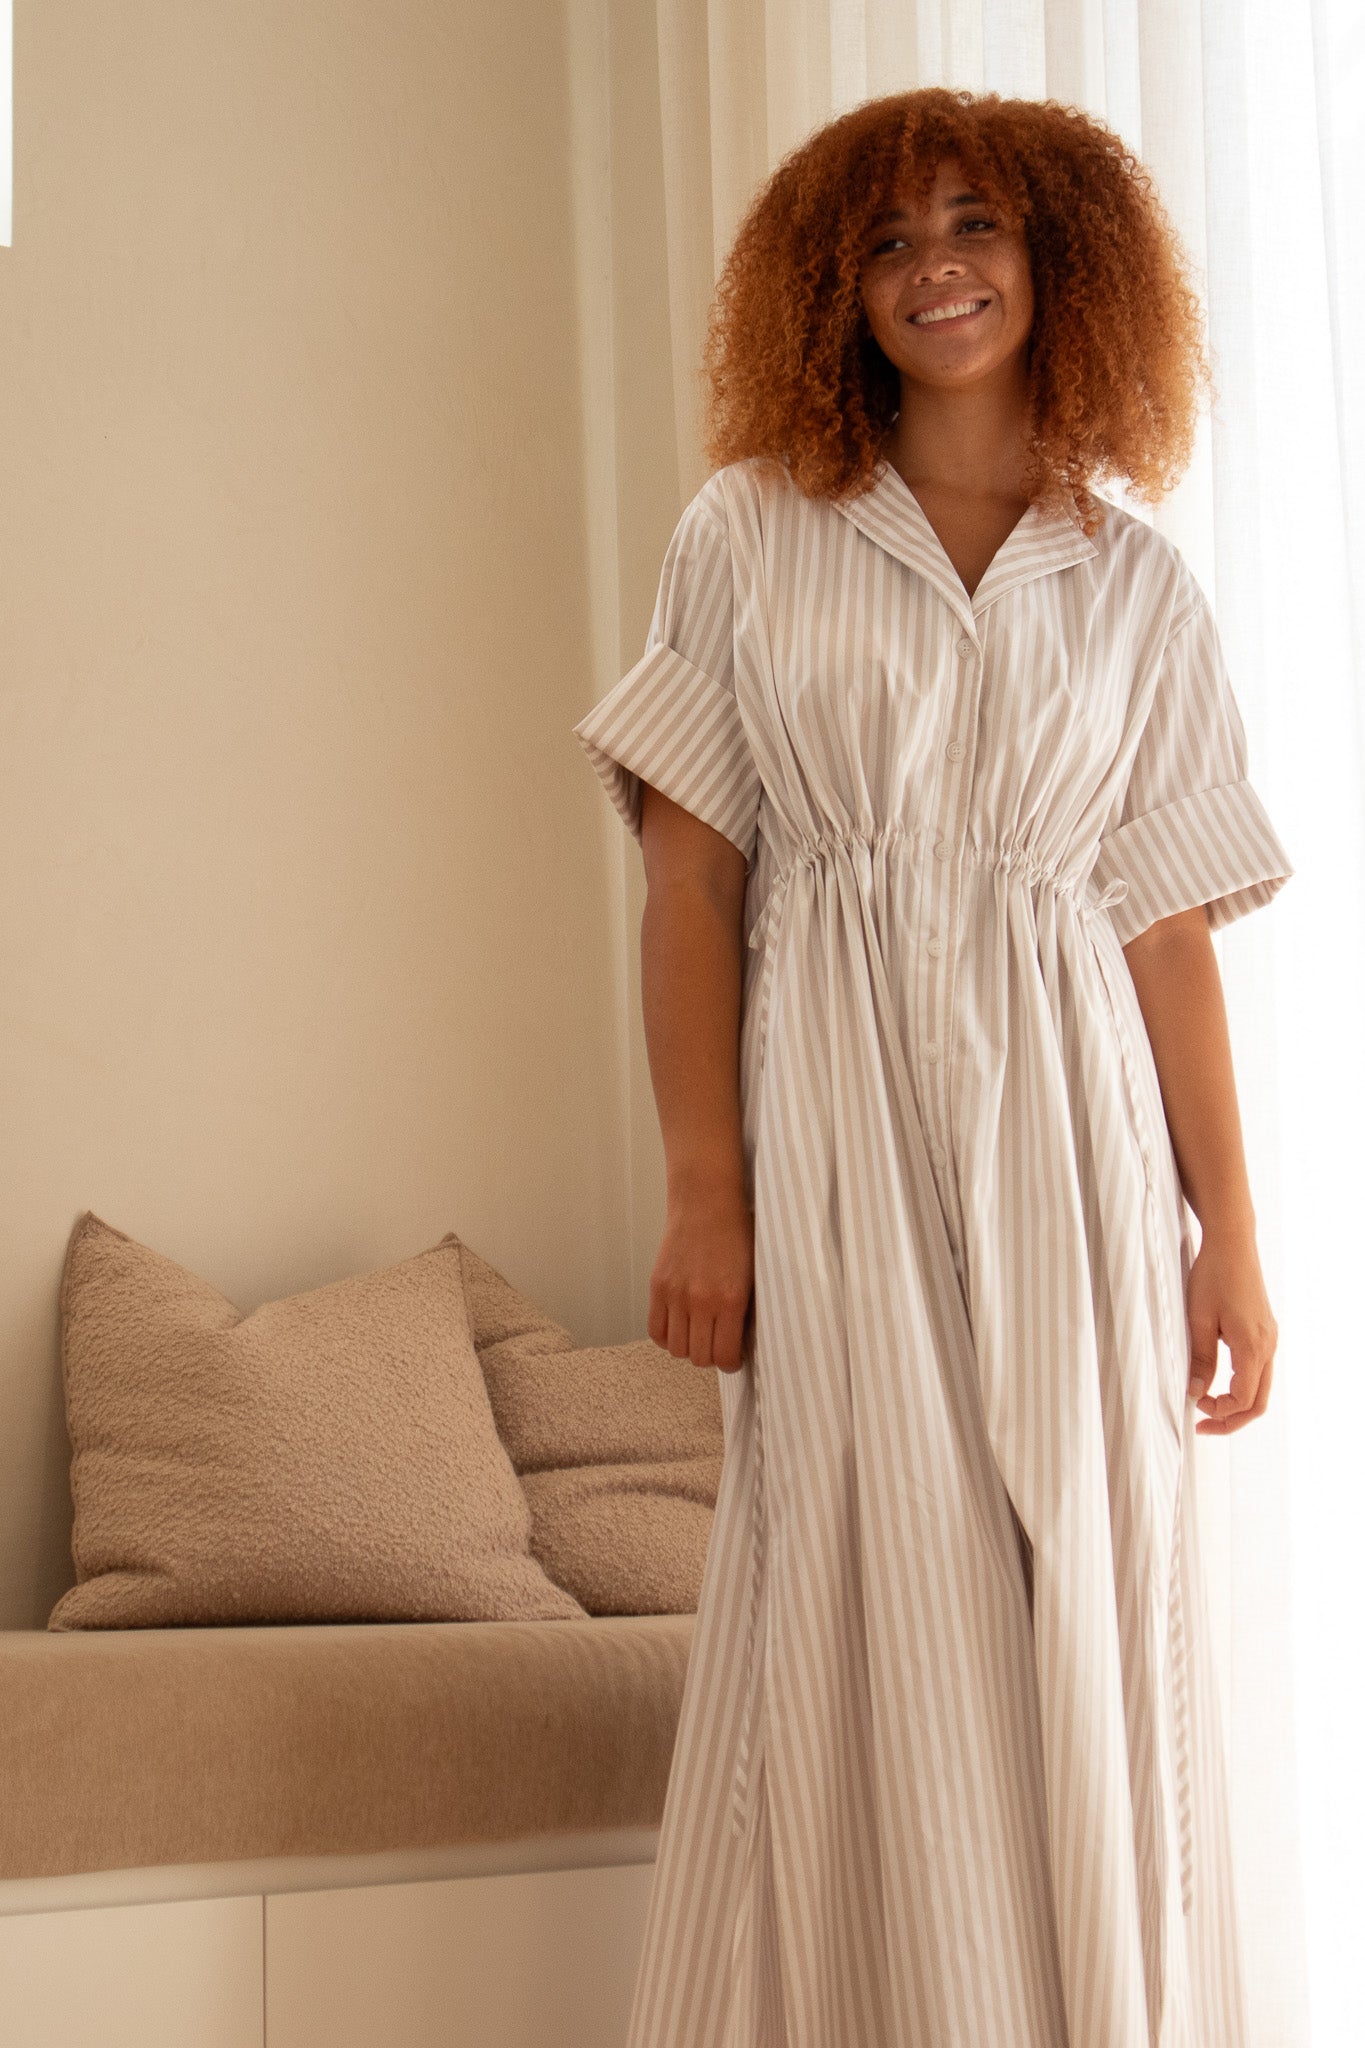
1229	1221
707	1177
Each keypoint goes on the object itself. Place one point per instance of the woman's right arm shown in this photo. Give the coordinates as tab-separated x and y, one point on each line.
691	967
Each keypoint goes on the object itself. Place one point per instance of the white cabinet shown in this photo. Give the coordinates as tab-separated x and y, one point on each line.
508	1961
501	1959
181	1975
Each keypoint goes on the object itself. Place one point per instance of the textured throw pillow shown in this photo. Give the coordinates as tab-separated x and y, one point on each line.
328	1457
619	1449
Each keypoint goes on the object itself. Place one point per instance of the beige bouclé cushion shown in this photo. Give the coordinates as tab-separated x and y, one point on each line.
498	1314
331	1456
626	1539
619	1448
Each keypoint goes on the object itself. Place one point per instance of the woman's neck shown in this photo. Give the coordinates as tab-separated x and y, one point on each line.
973	441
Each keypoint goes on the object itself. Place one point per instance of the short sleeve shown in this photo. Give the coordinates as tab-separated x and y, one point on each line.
673	720
1190	828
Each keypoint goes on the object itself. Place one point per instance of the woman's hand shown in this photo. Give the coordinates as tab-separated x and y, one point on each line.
700	1293
1226	1297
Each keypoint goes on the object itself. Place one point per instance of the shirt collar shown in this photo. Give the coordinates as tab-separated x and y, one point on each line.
1042	543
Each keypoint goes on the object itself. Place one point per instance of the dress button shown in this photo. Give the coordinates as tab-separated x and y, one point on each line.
955	750
937	946
932	1049
964	647
944	848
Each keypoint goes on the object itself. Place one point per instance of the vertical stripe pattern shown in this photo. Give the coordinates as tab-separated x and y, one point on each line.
948	1768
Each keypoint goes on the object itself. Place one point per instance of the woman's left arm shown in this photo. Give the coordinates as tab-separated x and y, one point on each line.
1180	993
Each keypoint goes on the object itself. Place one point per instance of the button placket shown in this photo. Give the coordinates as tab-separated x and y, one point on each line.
944	907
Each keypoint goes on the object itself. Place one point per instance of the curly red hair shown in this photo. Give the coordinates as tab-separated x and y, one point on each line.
1115	360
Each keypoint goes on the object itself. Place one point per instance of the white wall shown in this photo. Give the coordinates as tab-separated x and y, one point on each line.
317	932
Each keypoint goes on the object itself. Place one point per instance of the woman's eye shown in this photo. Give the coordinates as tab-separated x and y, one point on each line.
977	221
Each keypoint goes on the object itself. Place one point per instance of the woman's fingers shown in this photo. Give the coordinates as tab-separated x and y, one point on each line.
721	1340
727	1340
1226	1300
1248	1395
1203	1354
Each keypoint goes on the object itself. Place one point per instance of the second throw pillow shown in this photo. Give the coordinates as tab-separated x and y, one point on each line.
619	1448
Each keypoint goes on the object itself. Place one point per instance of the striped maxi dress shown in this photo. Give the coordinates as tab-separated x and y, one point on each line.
949	1769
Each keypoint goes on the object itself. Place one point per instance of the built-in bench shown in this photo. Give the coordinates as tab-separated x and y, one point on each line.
315	1800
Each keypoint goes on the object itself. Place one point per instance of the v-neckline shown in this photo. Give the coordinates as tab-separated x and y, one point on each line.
1039	543
918	511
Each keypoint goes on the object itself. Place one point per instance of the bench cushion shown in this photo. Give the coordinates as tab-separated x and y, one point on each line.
134	1748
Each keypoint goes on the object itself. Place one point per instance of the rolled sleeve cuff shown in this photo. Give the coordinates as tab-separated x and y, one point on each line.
1216	846
670	724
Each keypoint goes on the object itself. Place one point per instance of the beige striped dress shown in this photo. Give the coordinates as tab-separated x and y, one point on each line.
949	1771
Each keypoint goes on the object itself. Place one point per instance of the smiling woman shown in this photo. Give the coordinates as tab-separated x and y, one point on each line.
1047	217
928	743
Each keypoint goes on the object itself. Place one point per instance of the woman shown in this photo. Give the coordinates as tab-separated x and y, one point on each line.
940	746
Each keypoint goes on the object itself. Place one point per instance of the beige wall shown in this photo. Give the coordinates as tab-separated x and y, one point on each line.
323	333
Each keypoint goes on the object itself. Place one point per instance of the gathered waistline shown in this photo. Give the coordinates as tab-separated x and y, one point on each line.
1070	882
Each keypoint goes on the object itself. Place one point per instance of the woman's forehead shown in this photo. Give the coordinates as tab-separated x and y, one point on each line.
943	181
950	187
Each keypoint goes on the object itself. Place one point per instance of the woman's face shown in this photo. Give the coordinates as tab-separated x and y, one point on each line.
950	253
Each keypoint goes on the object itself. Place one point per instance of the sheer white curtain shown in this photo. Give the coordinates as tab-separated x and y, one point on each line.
1248	113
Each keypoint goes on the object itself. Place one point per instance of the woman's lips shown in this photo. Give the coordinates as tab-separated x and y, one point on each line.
957	320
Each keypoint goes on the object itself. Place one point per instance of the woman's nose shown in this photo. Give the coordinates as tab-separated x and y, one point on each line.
934	251
949	264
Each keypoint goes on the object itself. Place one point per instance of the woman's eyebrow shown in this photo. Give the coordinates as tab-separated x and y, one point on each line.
961	199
